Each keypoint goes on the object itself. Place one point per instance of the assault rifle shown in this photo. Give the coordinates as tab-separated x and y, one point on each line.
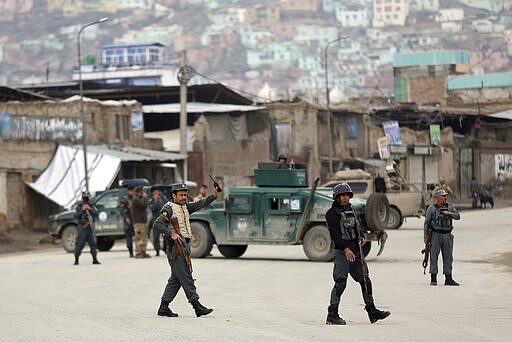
180	248
90	221
364	270
426	252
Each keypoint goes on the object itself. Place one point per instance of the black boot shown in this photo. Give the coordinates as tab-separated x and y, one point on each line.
333	318
200	309
76	261
95	261
130	251
433	279
375	314
164	310
449	281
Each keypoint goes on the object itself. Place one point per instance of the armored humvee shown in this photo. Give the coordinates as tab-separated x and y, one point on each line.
281	210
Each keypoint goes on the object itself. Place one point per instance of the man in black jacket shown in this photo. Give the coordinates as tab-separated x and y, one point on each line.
345	232
84	214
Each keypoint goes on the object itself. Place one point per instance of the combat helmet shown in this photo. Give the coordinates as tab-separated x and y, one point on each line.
342	188
282	156
86	196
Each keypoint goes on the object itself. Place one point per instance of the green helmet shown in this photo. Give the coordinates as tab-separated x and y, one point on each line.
342	188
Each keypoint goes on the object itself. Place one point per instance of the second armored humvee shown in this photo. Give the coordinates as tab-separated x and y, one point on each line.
281	210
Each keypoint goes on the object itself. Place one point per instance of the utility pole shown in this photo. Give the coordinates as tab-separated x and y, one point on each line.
183	79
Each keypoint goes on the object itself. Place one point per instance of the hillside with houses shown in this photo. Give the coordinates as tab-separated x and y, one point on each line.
265	49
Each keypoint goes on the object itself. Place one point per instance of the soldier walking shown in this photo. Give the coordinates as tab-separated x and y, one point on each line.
181	271
346	234
437	230
85	213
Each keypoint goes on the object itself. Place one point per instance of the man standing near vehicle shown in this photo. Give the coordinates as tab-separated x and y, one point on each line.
156	203
140	219
438	228
84	214
346	234
181	272
125	208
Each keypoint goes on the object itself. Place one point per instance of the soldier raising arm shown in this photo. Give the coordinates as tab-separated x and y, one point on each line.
181	272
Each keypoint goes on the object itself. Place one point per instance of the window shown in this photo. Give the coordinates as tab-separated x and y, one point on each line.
240	205
279	203
108	201
122	127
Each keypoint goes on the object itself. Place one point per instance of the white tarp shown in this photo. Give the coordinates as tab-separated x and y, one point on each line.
198	107
63	180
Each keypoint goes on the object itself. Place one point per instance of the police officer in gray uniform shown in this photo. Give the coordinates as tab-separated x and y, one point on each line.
181	272
84	214
345	233
438	221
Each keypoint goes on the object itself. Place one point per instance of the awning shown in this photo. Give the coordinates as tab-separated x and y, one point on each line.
63	180
199	107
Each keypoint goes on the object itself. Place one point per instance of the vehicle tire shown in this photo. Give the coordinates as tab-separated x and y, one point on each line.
68	238
105	243
395	220
366	248
201	242
232	251
377	211
317	244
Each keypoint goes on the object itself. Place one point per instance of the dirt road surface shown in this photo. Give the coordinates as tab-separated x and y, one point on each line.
270	294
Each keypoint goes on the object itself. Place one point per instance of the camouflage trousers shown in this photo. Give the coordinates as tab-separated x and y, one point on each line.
140	238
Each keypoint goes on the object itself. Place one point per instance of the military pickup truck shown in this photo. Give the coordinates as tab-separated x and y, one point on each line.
281	210
109	223
405	200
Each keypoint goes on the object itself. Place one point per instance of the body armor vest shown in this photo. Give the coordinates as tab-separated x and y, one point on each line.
347	223
181	213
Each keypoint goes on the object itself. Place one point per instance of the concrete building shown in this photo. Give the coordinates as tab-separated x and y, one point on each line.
422	77
353	15
390	12
31	132
131	64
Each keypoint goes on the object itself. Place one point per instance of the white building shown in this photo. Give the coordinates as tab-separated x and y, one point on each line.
390	12
353	15
450	14
131	64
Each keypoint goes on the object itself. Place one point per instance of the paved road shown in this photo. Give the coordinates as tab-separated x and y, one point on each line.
270	294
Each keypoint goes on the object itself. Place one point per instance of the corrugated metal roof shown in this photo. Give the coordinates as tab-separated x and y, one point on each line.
480	81
199	107
127	153
431	58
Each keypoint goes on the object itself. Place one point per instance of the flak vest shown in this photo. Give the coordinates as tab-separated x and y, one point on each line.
347	223
181	213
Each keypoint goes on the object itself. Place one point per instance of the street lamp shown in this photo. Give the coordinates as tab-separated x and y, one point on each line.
329	137
82	115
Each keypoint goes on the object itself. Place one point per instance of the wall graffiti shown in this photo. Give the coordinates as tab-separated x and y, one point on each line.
40	128
503	164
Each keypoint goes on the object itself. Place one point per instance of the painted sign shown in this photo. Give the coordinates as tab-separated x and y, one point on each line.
5	125
383	146
503	166
351	128
435	134
392	131
40	128
137	120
